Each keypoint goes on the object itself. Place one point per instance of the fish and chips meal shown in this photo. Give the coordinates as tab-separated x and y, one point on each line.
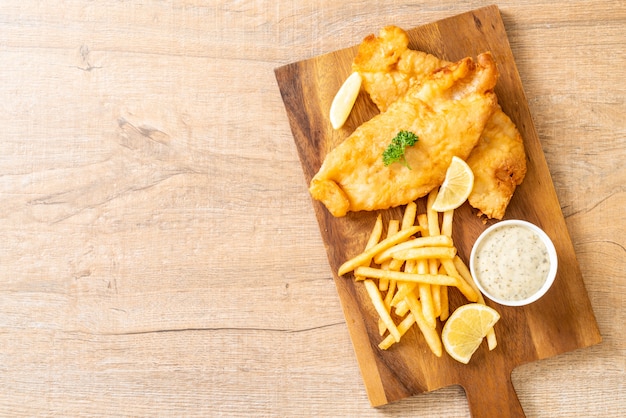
440	135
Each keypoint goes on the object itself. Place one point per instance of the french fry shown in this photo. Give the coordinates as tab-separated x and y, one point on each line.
381	327
393	285
430	333
425	294
394	226
374	237
379	305
376	233
492	342
404	288
409	266
425	253
465	288
391	290
422	267
402	308
366	256
402	292
422	221
433	268
433	216
435	290
440	295
383	285
446	223
419	242
409	274
403	327
445	308
375	273
424	291
408	219
462	269
395	265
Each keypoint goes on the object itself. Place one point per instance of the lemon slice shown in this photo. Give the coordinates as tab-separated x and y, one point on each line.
465	329
344	100
456	187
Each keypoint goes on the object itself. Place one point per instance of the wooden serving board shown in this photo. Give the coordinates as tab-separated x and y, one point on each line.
561	321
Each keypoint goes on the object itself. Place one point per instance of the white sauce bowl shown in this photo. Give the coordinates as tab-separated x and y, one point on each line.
508	260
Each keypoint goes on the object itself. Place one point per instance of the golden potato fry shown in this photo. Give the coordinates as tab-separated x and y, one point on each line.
425	253
433	216
402	308
379	305
445	308
413	274
374	236
422	221
404	288
394	226
446	223
426	297
465	288
391	290
433	268
424	291
430	333
436	292
419	242
408	219
375	273
366	256
403	327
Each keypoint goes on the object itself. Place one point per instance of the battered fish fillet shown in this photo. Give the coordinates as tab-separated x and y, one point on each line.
447	111
389	68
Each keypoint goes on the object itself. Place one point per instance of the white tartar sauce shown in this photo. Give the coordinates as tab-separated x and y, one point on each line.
512	263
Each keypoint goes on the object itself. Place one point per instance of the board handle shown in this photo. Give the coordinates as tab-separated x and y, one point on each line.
495	397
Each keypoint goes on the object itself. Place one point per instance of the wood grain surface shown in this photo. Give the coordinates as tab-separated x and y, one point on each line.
562	321
161	254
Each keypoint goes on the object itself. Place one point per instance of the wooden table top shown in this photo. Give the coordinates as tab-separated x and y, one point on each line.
161	254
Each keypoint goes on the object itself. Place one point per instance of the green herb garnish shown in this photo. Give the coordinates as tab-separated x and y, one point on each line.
395	150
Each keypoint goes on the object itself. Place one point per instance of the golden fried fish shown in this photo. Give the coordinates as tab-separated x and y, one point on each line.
447	111
389	68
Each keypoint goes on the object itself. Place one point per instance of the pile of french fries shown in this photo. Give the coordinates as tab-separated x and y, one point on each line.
408	273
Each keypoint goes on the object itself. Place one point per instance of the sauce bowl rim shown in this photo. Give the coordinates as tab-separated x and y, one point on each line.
551	253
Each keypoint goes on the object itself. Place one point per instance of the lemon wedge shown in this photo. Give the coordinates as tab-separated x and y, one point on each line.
344	100
465	329
456	186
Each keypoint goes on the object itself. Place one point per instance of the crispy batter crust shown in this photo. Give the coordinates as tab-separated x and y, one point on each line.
389	69
447	111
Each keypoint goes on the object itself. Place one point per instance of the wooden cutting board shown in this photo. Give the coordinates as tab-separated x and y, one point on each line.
561	321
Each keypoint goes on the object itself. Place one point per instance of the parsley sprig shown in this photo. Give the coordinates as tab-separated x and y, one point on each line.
395	151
